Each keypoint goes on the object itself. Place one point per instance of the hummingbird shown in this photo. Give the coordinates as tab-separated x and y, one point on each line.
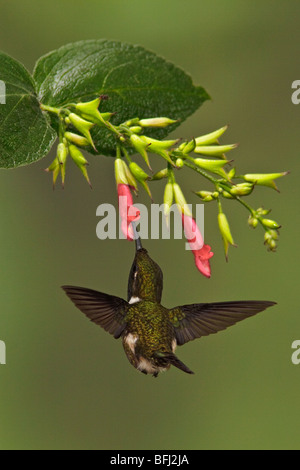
151	332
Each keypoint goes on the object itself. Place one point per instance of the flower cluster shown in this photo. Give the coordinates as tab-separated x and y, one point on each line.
204	155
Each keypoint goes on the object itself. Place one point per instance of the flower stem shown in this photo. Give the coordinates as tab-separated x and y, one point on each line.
50	109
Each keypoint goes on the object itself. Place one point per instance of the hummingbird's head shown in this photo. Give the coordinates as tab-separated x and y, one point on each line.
145	279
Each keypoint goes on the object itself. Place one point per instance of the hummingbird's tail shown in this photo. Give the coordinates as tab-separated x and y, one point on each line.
171	359
138	241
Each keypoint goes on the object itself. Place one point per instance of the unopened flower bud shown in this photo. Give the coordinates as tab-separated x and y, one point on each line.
179	163
180	200
156	122
211	138
141	176
160	147
54	168
130	178
225	232
231	173
82	126
90	111
62	153
227	195
261	211
120	172
188	147
214	150
136	129
160	175
270	224
252	221
243	189
266	179
215	166
168	199
76	139
80	161
141	146
207	196
270	240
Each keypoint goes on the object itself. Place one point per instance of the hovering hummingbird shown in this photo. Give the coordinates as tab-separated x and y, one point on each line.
149	331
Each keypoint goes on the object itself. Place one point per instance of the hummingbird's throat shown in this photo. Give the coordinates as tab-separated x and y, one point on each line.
134	300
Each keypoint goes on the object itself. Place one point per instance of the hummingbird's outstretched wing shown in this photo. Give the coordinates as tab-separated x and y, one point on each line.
105	310
196	320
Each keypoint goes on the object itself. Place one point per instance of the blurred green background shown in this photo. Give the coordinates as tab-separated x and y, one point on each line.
67	384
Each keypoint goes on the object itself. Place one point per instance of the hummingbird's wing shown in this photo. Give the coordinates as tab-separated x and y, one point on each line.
196	320
105	310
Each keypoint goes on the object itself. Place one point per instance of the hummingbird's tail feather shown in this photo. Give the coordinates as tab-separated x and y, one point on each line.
172	359
138	241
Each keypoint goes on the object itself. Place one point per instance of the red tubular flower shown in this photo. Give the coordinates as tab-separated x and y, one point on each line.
128	212
202	253
202	258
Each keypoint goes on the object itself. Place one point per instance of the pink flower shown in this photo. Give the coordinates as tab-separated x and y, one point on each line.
202	253
192	232
128	212
202	258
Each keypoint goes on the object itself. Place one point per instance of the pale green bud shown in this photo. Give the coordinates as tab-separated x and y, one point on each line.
159	147
227	195
90	111
243	189
141	146
270	224
120	172
225	232
156	122
207	196
214	150
179	163
211	138
160	175
138	172
231	173
270	240
168	199
80	161
252	221
54	168
215	166
62	153
76	139
82	126
265	179
188	147
260	211
130	177
136	129
180	200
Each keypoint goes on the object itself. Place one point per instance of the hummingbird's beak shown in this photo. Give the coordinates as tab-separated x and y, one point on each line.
138	242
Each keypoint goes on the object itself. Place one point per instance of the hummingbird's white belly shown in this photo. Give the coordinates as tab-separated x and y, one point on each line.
143	364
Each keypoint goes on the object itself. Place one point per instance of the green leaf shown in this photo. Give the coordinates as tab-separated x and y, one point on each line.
137	82
25	133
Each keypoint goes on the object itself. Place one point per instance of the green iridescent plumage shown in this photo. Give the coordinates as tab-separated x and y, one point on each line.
150	332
